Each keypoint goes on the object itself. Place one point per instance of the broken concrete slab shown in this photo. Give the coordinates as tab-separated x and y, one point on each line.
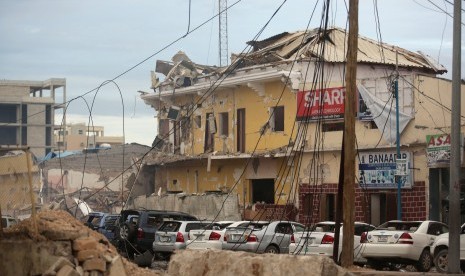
216	262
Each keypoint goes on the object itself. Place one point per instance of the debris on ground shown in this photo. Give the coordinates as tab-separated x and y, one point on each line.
55	243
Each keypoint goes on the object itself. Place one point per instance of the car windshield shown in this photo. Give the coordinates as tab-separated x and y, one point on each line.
322	227
218	226
170	226
110	220
255	226
400	225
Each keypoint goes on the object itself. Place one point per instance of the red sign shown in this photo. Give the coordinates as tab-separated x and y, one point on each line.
321	104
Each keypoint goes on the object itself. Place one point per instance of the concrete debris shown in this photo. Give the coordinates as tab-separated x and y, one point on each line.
62	246
216	262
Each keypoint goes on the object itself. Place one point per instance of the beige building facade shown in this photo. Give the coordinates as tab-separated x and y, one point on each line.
269	128
27	112
80	136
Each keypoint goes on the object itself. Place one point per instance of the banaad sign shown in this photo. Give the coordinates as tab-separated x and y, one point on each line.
377	170
321	104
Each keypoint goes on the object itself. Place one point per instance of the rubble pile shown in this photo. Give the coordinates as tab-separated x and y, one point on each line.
64	246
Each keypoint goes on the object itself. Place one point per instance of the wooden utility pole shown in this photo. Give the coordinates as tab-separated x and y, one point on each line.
347	256
454	182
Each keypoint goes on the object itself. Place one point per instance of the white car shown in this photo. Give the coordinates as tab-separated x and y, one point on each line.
402	242
440	249
210	238
173	235
320	240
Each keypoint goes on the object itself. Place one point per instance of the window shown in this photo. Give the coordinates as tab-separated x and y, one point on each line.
210	130
80	132
48	114
277	118
224	125
240	138
329	127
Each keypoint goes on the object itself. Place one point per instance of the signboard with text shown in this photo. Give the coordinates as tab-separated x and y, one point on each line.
377	170
438	150
318	104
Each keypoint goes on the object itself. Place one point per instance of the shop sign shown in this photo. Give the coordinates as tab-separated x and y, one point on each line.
377	170
318	104
438	150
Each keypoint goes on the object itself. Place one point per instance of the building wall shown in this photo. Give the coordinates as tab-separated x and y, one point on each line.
196	177
319	166
229	100
38	120
429	118
204	207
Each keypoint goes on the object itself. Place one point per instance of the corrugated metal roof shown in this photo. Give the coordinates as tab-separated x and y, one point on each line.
310	44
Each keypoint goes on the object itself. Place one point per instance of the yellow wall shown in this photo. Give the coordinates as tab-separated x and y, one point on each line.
226	175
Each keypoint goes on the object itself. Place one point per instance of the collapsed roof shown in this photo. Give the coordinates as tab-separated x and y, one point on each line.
323	45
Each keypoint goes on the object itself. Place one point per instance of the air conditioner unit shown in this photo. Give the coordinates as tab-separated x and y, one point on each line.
173	113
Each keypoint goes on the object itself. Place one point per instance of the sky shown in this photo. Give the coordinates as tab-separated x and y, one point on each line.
90	42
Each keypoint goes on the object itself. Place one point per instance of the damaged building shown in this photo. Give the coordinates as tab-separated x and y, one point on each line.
105	178
269	131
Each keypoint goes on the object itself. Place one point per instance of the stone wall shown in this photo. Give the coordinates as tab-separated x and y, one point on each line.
206	206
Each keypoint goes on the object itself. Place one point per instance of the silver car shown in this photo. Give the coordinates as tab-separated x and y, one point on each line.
261	237
173	235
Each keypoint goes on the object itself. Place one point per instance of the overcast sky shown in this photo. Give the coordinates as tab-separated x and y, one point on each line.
88	42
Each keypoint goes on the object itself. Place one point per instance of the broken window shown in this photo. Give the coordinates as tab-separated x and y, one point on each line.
210	129
329	127
185	128
240	130
263	191
177	136
223	122
277	118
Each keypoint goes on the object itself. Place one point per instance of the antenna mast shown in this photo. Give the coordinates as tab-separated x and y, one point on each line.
223	32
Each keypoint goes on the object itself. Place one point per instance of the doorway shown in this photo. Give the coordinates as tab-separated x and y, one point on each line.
383	208
263	191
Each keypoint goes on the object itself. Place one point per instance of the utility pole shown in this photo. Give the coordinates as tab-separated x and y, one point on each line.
347	257
398	177
223	32
454	184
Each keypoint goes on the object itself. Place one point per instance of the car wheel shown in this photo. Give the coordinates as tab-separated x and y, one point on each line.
127	232
425	262
440	260
124	232
272	249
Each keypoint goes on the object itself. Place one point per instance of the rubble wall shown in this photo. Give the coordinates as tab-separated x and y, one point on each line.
205	206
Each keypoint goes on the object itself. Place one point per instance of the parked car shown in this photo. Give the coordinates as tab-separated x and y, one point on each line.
135	230
402	242
261	236
319	240
173	235
211	237
440	251
101	222
8	221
